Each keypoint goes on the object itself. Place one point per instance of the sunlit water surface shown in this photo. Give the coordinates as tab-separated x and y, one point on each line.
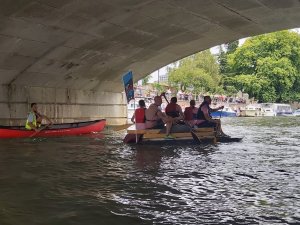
97	179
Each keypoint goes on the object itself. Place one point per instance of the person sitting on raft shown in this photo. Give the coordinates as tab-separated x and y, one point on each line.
156	119
174	110
205	118
190	114
139	117
34	119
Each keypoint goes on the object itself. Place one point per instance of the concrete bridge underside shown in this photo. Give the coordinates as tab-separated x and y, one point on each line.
69	55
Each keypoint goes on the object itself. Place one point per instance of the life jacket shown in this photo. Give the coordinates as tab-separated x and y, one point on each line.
140	115
200	114
171	110
33	122
188	114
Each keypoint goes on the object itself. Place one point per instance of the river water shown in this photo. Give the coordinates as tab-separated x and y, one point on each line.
96	179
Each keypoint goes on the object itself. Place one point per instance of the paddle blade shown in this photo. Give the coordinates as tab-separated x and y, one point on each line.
131	138
195	137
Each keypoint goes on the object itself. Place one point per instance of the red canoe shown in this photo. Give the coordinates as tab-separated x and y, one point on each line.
55	130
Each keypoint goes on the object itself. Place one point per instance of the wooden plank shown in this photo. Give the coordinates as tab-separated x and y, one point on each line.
178	135
148	131
204	132
132	130
207	137
159	137
204	129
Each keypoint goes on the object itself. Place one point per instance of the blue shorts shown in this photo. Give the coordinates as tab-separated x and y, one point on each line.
160	125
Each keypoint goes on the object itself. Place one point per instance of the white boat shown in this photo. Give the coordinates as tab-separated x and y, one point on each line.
296	112
279	109
253	110
267	110
226	112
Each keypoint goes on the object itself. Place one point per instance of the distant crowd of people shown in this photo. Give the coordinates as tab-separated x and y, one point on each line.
188	95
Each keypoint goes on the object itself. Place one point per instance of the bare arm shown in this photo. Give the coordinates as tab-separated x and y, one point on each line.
164	117
217	109
49	122
181	115
133	117
206	114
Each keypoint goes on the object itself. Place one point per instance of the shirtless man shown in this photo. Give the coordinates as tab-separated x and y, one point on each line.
156	119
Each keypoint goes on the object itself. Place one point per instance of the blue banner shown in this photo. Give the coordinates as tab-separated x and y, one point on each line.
128	84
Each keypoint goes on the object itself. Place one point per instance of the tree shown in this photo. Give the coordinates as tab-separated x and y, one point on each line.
268	66
232	46
199	72
222	60
145	80
222	57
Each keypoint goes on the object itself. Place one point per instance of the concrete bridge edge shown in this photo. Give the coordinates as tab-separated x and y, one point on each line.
62	105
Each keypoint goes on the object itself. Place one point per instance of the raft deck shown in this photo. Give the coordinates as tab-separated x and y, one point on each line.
180	132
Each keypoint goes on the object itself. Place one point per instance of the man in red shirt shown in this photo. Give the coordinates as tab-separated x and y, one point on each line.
174	110
190	114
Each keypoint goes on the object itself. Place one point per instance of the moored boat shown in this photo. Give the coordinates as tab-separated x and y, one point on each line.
279	109
253	110
55	130
296	112
226	112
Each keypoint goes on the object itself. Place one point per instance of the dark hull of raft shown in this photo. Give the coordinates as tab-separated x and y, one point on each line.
182	134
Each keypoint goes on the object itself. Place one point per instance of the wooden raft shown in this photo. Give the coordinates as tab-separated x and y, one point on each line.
205	134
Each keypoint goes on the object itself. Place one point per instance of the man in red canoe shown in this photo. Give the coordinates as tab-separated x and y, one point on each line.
34	118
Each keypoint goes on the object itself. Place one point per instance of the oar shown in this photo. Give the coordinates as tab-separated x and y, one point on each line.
133	138
121	127
43	128
194	135
221	113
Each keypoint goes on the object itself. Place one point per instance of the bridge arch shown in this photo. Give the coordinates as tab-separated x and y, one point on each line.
69	55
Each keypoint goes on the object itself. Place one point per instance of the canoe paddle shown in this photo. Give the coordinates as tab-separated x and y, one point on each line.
43	128
194	135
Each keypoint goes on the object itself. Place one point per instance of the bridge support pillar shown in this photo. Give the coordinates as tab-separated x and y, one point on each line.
61	105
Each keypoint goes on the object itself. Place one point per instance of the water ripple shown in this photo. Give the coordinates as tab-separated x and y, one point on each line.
99	180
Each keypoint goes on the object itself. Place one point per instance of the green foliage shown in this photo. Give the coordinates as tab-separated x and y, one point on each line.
223	57
267	67
230	90
222	60
145	80
232	46
158	87
199	72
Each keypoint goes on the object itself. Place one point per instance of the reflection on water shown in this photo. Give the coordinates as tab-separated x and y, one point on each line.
99	180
